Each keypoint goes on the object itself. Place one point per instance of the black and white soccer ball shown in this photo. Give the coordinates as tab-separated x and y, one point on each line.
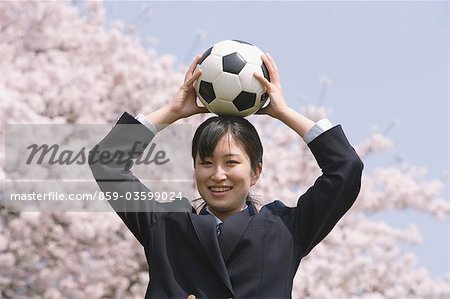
227	85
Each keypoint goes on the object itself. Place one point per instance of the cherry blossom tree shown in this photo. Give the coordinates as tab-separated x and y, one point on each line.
61	65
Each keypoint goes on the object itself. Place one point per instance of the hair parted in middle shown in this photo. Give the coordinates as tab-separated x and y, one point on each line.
211	130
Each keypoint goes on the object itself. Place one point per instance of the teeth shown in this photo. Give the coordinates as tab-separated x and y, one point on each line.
219	189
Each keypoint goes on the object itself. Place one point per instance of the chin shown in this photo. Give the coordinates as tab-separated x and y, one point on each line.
217	205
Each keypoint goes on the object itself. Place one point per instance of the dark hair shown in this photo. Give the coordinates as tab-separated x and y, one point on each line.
211	130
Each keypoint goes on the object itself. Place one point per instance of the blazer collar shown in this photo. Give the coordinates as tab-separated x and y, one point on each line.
232	229
205	228
219	251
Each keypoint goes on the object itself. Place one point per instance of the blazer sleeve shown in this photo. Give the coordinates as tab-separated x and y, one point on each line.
115	175
333	193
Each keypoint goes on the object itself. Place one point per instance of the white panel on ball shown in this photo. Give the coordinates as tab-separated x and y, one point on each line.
223	107
259	94
251	54
227	86
248	81
249	111
211	68
225	47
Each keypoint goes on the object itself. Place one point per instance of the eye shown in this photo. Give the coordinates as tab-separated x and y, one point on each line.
232	162
205	162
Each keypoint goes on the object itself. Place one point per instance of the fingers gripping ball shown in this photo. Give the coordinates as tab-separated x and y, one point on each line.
227	85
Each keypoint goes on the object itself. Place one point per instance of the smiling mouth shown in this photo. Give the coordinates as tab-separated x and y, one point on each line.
220	189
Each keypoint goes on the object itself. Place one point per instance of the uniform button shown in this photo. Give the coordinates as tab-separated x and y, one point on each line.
191	296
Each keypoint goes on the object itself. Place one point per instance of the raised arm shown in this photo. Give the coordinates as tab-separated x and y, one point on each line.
129	137
334	192
123	144
331	196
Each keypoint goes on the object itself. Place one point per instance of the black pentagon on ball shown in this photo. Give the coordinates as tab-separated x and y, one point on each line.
233	63
206	90
244	100
264	97
205	54
265	71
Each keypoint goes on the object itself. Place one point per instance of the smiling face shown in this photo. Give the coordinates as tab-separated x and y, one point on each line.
225	177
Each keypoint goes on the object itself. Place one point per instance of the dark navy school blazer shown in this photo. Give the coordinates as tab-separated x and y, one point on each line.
257	254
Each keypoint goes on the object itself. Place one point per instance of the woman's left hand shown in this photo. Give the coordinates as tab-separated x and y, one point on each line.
277	105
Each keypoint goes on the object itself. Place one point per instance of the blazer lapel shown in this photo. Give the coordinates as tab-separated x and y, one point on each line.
232	230
205	228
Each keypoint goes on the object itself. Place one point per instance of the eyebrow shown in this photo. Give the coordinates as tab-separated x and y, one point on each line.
230	155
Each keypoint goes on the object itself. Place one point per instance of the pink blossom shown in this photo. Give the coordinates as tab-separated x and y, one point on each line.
65	67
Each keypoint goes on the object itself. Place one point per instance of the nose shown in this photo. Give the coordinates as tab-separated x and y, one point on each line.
218	174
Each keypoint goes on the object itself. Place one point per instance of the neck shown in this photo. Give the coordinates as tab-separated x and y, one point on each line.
222	215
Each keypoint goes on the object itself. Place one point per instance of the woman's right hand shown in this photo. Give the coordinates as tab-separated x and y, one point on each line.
183	103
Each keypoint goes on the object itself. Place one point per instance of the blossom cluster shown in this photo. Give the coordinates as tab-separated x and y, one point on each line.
67	66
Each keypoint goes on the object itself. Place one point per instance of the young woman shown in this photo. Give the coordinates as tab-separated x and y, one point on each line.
229	249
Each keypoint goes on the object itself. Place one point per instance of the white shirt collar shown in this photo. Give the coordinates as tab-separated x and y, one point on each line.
217	218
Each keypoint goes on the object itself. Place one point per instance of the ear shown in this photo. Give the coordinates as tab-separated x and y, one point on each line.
256	173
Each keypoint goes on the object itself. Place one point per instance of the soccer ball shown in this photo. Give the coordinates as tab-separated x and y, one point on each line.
227	85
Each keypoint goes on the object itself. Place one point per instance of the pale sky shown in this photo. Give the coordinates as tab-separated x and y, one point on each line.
387	61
